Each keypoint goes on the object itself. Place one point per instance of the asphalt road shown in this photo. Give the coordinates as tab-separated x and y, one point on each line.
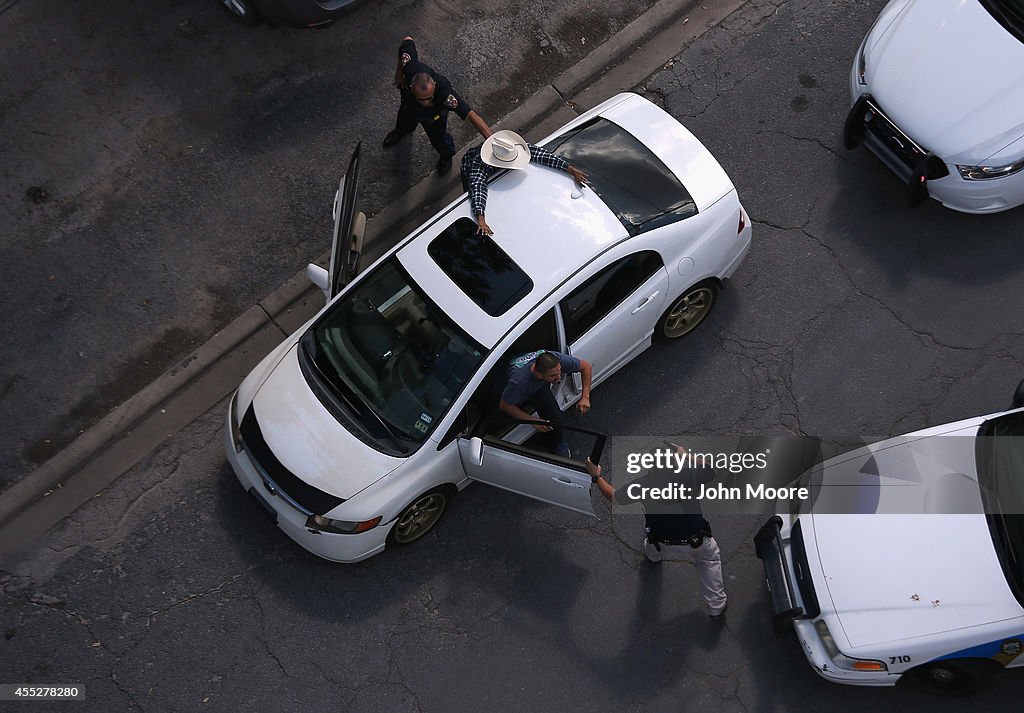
164	167
852	318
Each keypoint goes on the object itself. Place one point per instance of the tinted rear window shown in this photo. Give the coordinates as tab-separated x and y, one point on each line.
630	179
479	267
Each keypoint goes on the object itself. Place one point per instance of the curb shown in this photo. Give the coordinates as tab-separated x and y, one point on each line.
203	379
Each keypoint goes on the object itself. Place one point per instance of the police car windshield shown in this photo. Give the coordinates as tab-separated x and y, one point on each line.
1009	14
402	357
1000	455
634	183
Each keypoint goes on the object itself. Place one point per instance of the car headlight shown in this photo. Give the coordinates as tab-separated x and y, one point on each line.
319	523
840	659
985	173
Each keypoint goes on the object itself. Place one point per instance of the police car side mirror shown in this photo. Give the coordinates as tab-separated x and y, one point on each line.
1018	395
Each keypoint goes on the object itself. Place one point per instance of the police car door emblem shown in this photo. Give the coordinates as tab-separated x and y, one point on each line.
1011	647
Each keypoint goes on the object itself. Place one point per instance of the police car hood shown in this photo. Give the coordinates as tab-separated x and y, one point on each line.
899	544
951	77
309	441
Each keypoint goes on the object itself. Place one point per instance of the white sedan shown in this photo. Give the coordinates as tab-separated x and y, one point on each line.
938	94
910	561
355	433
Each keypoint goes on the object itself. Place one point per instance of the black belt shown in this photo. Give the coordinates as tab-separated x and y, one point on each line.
695	540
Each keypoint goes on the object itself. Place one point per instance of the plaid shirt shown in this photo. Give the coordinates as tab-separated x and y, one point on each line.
475	173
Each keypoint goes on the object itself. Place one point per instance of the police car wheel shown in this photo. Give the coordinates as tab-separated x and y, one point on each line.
420	517
946	678
687	311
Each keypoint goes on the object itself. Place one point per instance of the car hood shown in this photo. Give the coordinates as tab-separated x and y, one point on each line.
924	561
309	441
958	96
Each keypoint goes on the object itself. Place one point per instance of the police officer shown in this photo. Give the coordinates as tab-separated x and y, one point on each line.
427	97
676	523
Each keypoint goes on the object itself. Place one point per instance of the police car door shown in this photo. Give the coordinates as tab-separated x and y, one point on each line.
610	318
347	241
535	474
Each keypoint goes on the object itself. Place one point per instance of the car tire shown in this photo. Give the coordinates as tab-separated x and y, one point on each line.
951	679
687	311
242	10
420	516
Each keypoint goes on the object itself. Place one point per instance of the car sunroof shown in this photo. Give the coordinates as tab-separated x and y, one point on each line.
479	267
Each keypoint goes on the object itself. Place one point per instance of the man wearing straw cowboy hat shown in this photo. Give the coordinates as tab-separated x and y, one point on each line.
504	149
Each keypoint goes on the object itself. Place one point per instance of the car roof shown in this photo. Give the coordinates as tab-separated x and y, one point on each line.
549	227
537	222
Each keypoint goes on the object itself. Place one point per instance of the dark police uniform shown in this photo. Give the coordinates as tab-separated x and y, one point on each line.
433	117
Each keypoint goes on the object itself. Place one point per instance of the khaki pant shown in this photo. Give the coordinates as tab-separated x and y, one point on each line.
708	560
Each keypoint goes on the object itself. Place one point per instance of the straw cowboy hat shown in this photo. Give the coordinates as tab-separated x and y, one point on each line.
505	149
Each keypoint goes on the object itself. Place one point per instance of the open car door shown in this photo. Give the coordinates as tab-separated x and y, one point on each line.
349	228
533	473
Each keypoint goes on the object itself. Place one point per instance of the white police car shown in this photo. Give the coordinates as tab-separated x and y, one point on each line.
355	433
938	94
910	561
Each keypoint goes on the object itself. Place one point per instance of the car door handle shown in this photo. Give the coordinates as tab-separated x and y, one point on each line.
562	480
646	302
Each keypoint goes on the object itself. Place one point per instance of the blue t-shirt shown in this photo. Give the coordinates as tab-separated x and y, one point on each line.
522	384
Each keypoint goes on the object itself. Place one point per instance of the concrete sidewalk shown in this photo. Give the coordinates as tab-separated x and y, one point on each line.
206	377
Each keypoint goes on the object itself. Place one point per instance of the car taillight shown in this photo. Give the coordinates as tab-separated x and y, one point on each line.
743	222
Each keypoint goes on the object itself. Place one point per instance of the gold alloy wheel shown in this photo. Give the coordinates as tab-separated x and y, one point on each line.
418	518
688	311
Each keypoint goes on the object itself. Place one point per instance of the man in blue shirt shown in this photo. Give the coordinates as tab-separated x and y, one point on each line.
528	383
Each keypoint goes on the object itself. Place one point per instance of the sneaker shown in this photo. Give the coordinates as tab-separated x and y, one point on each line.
652	551
392	138
719	616
563	450
444	164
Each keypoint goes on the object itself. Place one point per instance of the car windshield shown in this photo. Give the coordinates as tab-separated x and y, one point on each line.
392	356
642	192
1009	14
1000	455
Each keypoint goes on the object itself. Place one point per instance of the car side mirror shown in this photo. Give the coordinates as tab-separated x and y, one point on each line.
319	277
1018	395
476	451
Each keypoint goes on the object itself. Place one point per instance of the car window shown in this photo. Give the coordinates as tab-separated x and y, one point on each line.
479	267
642	192
599	295
387	348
